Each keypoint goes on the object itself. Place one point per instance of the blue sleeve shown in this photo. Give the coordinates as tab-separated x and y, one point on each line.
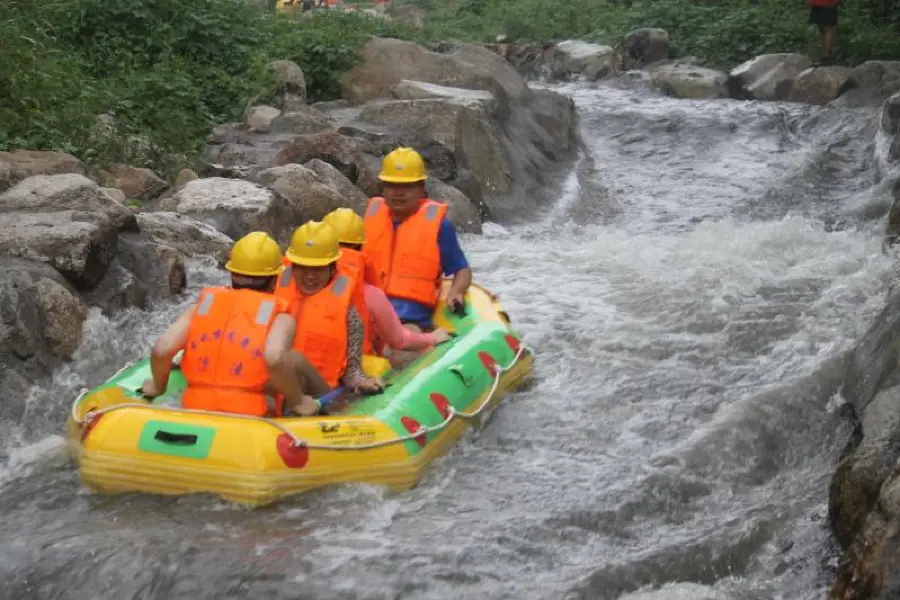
452	257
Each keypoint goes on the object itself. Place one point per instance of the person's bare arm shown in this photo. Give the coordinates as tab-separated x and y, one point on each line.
276	354
166	347
462	279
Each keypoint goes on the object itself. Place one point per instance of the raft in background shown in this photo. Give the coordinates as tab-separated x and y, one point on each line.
122	443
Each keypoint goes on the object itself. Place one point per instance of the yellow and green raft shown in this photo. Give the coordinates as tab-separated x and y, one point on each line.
123	443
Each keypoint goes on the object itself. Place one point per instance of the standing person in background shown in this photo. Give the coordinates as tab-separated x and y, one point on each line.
824	14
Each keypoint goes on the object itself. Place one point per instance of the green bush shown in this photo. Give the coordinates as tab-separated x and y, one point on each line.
721	33
170	70
166	70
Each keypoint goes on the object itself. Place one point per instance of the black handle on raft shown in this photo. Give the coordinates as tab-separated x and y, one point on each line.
459	309
180	439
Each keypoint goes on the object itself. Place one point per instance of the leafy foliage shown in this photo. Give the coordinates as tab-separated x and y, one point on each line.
721	33
167	71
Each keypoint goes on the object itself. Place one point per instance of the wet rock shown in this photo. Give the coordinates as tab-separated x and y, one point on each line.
687	81
602	67
259	118
466	183
341	152
144	270
329	105
574	57
766	77
494	75
468	111
892	225
864	496
187	235
419	90
66	221
116	194
818	86
644	46
528	60
309	194
77	244
890	117
555	116
22	164
241	150
40	324
140	184
870	570
871	83
184	176
461	211
232	206
439	159
862	472
887	151
463	125
386	62
50	193
873	360
352	195
304	120
291	85
63	311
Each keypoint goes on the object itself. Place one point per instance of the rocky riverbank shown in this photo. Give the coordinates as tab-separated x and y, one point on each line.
74	237
864	499
643	55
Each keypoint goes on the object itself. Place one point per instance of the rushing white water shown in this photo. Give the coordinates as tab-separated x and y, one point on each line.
691	296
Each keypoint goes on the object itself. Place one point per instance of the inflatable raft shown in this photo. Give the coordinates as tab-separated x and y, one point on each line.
123	443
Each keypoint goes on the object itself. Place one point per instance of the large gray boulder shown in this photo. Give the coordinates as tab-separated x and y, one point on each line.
232	206
41	319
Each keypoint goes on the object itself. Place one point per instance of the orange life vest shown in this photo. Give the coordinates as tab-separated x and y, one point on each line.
407	261
223	358
321	322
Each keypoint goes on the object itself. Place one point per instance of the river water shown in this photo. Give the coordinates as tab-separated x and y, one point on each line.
691	296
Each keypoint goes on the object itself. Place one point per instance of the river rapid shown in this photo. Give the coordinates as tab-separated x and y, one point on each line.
691	291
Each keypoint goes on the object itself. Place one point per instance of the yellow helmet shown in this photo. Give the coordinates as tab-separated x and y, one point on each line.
314	244
349	225
403	165
256	255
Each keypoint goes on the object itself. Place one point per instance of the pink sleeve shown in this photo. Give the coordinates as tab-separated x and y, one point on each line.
387	325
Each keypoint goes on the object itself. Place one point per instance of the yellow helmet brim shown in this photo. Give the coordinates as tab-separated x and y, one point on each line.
252	273
401	179
311	262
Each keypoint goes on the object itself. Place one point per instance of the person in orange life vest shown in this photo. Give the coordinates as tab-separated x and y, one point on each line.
329	340
410	242
385	329
824	14
236	340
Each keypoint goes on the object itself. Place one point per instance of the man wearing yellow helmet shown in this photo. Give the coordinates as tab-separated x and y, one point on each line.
330	330
236	340
410	242
385	328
